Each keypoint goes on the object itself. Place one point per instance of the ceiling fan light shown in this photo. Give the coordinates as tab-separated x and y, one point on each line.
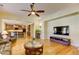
33	13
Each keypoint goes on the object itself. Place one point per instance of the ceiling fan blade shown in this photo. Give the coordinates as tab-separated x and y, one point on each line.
40	11
26	10
32	6
37	14
29	14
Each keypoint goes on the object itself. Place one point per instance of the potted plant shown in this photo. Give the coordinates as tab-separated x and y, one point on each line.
37	33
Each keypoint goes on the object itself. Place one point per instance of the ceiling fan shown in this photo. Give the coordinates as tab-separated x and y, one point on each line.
33	11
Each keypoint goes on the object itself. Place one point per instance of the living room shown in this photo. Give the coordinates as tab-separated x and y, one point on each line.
41	29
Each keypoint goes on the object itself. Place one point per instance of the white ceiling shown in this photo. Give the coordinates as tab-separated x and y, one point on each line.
50	8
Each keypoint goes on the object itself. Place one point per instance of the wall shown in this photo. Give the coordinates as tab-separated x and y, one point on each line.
67	10
32	29
72	21
41	24
45	29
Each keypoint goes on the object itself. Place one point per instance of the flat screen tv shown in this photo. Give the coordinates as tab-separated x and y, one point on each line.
61	30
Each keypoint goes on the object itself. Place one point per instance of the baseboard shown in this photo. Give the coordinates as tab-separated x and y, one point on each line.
75	45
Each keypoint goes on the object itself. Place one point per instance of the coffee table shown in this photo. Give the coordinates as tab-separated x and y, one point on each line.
33	48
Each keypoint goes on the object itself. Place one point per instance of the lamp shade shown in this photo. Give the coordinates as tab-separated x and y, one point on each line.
4	32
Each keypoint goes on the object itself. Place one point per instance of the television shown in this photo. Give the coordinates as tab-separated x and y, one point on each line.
61	30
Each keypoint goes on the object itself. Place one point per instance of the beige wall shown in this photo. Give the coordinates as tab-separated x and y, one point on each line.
45	30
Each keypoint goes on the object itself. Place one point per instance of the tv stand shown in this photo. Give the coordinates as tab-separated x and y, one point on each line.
64	41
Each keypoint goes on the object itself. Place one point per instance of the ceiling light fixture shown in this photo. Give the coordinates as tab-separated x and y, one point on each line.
33	13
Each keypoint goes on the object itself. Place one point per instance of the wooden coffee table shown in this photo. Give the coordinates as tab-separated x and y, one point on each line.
33	48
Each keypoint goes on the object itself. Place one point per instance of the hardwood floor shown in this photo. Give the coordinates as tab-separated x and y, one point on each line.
53	48
49	48
18	46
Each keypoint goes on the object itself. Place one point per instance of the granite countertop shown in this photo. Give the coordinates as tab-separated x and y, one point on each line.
33	44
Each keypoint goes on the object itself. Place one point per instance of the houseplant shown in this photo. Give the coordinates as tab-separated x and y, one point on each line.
37	33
